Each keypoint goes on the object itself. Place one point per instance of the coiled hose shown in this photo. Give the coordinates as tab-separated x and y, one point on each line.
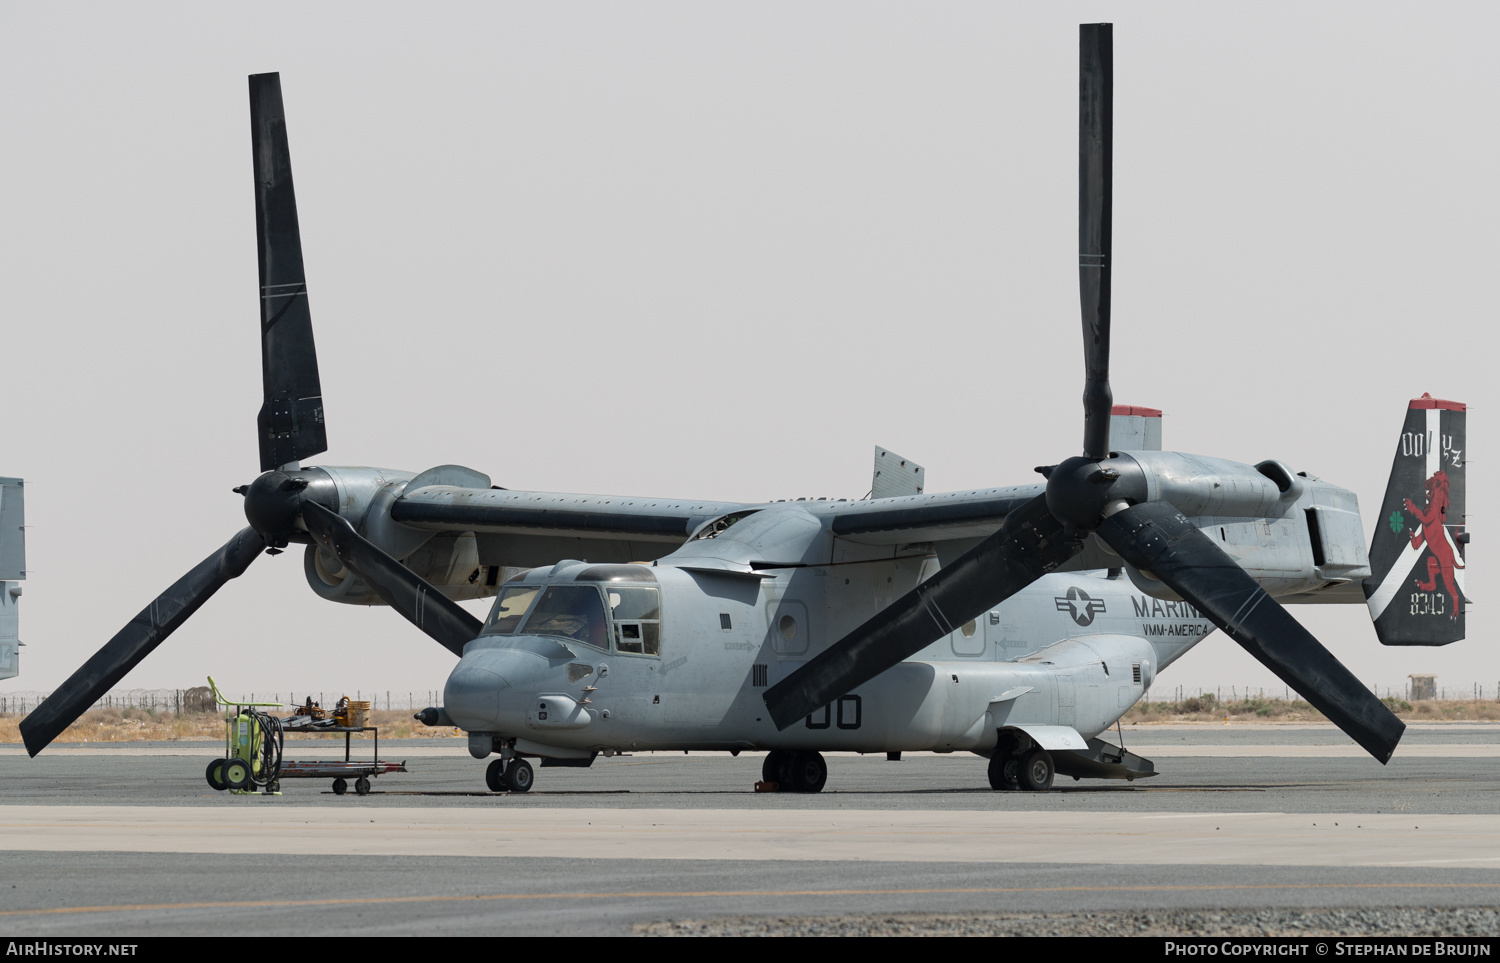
272	740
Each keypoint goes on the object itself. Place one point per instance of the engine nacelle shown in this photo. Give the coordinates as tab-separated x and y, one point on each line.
1294	533
365	496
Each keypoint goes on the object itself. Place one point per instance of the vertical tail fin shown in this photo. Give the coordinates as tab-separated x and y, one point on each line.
1133	428
1416	586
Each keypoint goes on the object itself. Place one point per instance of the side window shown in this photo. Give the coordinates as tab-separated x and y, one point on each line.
637	615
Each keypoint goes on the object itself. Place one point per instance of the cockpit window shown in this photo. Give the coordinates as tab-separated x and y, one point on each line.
509	608
574	612
637	615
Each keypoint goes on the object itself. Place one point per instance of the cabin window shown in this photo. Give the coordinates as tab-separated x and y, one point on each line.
637	617
572	612
510	608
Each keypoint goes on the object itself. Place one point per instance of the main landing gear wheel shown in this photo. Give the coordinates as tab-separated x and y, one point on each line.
1036	771
1005	772
340	787
518	776
235	773
808	772
362	786
776	768
494	775
215	775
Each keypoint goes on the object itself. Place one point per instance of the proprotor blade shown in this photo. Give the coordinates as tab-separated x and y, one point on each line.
1155	537
416	599
290	423
136	640
1028	545
1096	95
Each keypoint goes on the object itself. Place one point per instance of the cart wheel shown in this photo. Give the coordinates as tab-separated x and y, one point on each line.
274	787
340	787
362	786
235	773
494	776
518	776
215	774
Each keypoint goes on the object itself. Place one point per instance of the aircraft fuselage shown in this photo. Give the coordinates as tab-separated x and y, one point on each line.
1074	650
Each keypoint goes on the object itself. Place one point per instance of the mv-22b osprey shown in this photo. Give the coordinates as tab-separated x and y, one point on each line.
1015	623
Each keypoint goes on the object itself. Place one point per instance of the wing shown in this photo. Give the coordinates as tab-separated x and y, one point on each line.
520	528
948	516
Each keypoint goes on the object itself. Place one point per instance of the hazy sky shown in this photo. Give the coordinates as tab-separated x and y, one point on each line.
716	250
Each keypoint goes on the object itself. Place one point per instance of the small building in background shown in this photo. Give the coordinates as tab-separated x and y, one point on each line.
1422	687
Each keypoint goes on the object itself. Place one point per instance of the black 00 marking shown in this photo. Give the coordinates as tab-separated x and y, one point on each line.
851	714
851	711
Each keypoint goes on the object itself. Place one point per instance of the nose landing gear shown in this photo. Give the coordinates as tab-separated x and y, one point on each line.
515	777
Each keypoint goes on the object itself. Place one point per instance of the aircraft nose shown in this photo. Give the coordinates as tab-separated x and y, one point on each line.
474	693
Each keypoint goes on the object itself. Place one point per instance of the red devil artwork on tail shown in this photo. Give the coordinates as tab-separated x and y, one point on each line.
1431	457
1430	529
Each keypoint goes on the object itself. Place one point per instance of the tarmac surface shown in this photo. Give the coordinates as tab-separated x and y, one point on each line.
129	839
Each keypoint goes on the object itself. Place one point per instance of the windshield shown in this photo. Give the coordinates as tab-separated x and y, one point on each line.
509	608
574	612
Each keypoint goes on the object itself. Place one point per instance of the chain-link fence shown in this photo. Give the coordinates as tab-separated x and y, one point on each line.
198	699
1167	693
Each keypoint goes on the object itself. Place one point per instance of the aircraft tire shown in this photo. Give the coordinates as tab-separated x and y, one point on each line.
1037	771
1004	772
494	775
215	775
808	771
518	776
777	768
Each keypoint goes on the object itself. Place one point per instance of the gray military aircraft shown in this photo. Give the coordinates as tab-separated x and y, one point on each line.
12	572
1017	623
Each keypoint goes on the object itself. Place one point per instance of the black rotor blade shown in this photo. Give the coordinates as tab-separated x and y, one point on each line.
1096	95
416	599
1029	544
136	640
1156	538
290	423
